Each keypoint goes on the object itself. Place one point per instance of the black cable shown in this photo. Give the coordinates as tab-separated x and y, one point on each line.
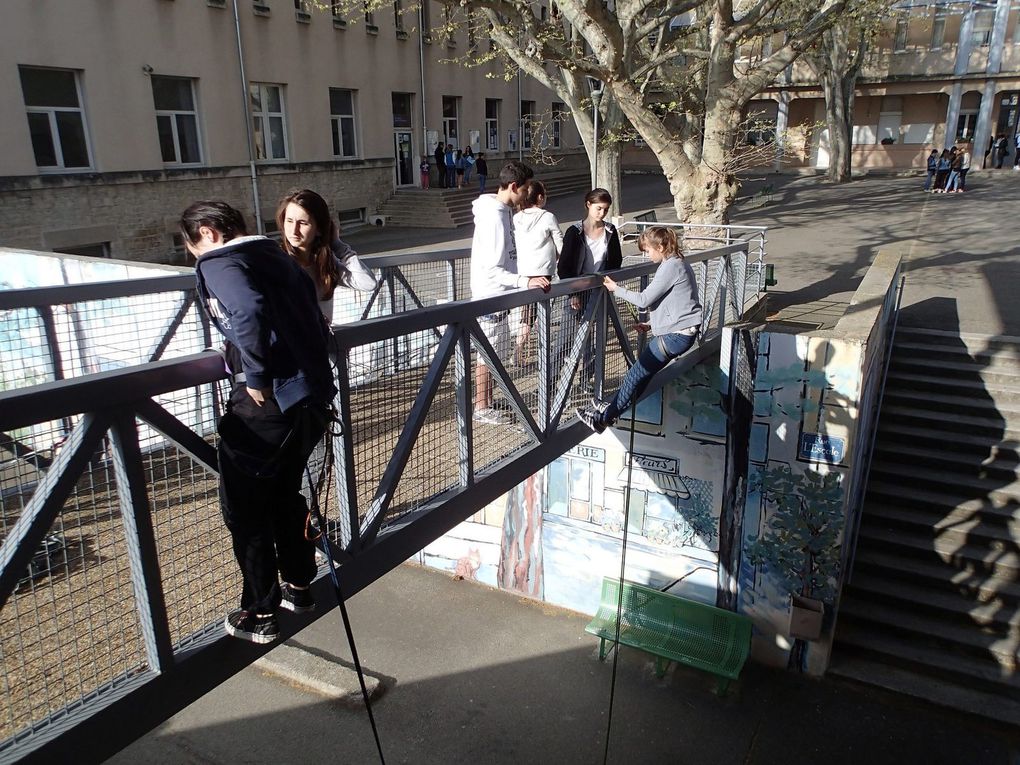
315	513
623	571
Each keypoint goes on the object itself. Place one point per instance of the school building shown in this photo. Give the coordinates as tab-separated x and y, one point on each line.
120	113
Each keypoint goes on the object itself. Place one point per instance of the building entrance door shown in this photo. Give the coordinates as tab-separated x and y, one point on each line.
403	157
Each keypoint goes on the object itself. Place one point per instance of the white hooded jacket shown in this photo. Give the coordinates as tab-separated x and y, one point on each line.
539	241
493	252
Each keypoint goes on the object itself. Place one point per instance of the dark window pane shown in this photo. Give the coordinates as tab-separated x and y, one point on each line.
166	139
255	93
401	110
273	103
276	136
340	101
187	134
72	139
449	106
42	141
491	108
172	94
347	128
48	87
336	138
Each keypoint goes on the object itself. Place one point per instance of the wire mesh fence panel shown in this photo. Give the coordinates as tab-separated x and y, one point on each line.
498	432
25	357
71	626
200	578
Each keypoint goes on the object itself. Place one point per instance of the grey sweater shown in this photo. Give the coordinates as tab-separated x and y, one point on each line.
672	297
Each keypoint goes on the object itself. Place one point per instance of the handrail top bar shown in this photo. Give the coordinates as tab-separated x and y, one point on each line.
669	224
430	317
33	297
414	258
117	388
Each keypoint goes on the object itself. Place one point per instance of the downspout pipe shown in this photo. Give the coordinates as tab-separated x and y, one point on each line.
247	124
421	74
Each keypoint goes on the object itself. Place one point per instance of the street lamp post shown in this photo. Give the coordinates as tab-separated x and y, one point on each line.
597	88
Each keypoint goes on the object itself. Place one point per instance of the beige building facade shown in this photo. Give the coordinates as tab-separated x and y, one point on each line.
940	73
119	113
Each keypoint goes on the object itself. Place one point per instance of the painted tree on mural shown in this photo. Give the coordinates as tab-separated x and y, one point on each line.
682	73
800	546
520	551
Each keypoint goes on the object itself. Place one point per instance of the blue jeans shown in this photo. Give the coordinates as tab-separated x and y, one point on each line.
481	183
954	180
451	177
657	354
928	182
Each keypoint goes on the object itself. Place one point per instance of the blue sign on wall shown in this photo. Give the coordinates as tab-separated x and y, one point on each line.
815	447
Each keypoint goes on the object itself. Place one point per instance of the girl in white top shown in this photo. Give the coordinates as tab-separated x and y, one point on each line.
311	238
539	240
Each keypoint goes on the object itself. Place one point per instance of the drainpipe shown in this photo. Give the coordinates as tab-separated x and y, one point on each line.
247	125
421	72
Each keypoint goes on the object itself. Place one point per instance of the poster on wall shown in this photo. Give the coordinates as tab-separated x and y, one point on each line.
475	140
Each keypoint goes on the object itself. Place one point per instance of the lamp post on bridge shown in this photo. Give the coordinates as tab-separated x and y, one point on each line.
596	88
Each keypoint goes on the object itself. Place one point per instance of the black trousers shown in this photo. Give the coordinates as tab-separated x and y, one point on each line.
262	457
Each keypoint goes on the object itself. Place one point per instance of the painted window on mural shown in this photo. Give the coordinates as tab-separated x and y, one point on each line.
576	489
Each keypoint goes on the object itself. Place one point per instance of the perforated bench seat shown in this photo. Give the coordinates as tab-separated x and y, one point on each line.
673	629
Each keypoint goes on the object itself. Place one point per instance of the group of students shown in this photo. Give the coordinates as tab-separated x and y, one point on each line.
273	303
518	244
454	168
947	172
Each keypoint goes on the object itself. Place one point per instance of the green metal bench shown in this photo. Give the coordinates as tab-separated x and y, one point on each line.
673	629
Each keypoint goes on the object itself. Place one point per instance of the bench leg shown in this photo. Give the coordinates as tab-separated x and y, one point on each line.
661	665
722	686
602	649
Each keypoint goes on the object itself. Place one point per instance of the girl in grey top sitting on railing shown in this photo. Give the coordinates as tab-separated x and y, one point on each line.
672	298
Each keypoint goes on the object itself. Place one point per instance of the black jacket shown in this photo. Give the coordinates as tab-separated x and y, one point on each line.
572	255
261	300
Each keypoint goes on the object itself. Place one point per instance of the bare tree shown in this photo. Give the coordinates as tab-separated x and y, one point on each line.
836	60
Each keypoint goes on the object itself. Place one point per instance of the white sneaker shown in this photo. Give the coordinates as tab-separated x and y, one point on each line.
490	416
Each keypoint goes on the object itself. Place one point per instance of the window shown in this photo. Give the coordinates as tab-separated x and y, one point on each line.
981	32
341	110
426	21
398	15
527	115
338	14
401	110
269	124
965	125
557	123
56	120
492	124
370	26
302	12
938	31
450	119
97	250
176	120
900	39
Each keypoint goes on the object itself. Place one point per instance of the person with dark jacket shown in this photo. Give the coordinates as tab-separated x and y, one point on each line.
440	156
590	246
482	168
266	306
933	166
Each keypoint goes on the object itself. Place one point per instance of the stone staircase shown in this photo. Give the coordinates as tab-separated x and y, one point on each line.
451	208
933	605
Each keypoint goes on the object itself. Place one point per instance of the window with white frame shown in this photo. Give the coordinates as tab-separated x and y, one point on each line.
558	111
492	124
176	120
268	121
981	32
938	31
527	116
900	37
56	119
341	111
450	119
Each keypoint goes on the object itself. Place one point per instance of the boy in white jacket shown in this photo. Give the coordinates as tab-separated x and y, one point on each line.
494	270
539	241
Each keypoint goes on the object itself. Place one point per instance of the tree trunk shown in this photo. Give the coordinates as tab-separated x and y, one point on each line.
839	109
520	559
609	174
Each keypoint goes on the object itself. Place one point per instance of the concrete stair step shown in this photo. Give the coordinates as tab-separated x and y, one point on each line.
994	355
996	615
1003	463
905	380
969	671
939	488
1001	564
951	421
975	640
989	706
1004	374
973	404
959	526
891	433
966	580
974	342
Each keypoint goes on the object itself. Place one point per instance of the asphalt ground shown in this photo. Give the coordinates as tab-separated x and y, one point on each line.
465	673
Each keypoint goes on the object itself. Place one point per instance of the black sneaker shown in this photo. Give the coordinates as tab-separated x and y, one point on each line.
298	601
591	418
248	626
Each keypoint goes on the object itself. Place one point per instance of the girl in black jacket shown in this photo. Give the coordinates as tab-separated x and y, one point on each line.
590	246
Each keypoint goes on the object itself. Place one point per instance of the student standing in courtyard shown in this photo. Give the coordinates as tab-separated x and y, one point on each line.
494	271
675	316
933	166
310	237
265	305
482	168
440	156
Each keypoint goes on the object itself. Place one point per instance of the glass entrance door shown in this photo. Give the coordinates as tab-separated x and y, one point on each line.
403	157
